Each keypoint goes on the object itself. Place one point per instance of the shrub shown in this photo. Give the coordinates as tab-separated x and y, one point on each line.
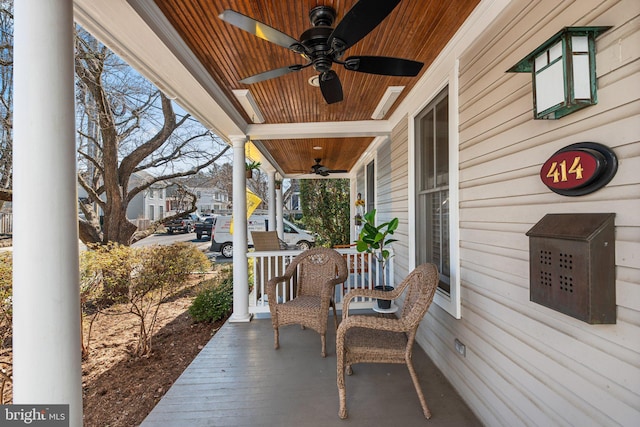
141	278
6	319
6	294
105	273
162	270
214	301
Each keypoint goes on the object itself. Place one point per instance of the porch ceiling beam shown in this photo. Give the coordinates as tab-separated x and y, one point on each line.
361	128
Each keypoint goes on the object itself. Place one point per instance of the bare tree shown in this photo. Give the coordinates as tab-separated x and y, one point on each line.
6	100
126	126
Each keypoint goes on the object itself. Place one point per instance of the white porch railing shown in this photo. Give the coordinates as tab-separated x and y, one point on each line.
363	274
6	223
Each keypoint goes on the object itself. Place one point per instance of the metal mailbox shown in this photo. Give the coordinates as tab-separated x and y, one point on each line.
572	265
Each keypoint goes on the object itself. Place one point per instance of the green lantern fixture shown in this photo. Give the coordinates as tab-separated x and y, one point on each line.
564	72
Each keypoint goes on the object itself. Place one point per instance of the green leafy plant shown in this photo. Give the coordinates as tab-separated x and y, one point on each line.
374	239
252	165
326	210
213	302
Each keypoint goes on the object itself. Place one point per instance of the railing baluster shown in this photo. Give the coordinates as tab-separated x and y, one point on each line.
364	273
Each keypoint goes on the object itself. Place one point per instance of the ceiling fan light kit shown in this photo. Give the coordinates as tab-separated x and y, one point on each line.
322	45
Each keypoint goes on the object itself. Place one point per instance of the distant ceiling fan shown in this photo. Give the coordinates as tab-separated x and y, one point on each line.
323	170
322	45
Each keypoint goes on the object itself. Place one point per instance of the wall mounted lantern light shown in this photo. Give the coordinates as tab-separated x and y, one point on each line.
564	72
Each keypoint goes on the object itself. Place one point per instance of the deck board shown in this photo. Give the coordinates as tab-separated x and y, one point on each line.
238	379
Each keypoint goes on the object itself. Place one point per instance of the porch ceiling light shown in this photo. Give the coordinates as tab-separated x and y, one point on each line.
387	100
564	72
249	105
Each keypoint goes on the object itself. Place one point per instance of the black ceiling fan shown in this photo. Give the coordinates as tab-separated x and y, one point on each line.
323	170
322	45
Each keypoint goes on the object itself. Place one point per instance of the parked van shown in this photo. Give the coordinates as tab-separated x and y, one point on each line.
222	239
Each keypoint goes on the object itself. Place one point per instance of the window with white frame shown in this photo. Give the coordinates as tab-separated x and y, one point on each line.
432	187
370	197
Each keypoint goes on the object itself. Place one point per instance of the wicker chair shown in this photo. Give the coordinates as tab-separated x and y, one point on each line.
316	273
371	339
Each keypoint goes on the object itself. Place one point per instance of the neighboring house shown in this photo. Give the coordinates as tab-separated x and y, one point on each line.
291	198
149	204
145	207
210	199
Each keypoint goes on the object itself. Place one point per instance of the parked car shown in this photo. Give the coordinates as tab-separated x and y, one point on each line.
184	224
203	227
222	239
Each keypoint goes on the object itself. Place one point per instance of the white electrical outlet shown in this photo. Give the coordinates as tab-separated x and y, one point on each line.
460	348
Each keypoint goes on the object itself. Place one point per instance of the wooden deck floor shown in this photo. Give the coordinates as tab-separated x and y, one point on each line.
238	379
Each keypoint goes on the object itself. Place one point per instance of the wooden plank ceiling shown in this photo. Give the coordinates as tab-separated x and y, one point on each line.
415	29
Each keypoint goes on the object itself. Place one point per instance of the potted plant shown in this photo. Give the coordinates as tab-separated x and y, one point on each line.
374	239
249	167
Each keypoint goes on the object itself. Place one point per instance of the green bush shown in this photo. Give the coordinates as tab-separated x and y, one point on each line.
213	302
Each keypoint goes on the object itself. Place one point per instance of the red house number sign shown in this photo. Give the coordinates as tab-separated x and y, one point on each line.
579	169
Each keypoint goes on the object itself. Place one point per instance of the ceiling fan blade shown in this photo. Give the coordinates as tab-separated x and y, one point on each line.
257	28
271	74
384	65
331	87
338	171
361	19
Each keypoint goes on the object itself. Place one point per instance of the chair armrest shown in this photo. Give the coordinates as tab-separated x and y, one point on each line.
277	279
270	287
372	322
329	286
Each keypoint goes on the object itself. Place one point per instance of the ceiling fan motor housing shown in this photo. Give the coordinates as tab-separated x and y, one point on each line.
322	15
315	42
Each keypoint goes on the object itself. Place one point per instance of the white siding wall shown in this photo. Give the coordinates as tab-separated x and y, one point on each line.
526	364
397	197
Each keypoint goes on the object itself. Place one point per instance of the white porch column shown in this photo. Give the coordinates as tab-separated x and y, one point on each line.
240	270
46	301
280	212
271	199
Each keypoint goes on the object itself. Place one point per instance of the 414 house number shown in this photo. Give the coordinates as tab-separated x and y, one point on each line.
579	169
558	171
